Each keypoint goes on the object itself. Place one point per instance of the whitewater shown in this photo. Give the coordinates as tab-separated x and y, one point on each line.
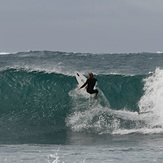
44	118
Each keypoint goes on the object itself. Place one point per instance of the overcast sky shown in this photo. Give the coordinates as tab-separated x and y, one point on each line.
81	25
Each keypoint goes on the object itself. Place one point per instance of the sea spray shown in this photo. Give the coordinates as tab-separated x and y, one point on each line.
151	102
86	110
95	115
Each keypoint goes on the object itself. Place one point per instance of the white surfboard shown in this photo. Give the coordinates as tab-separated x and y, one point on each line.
80	78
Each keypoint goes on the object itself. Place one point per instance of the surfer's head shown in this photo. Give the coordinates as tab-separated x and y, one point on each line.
90	74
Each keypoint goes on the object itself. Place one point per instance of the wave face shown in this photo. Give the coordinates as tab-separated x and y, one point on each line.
33	103
38	105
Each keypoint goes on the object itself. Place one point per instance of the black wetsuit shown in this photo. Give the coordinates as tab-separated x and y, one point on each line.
90	85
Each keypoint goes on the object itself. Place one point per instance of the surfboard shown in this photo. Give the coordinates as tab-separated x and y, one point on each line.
81	79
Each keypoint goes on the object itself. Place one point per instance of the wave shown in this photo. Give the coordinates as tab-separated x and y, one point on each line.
151	102
4	53
38	103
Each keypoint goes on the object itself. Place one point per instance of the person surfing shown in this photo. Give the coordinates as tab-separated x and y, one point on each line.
89	84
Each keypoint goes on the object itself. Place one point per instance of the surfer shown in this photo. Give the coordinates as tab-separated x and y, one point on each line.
90	83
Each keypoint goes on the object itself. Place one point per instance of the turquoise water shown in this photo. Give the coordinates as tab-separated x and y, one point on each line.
43	118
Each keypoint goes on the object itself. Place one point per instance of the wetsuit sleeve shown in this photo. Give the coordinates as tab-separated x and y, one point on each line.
84	84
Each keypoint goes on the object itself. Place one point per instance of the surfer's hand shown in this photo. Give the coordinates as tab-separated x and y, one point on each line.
78	88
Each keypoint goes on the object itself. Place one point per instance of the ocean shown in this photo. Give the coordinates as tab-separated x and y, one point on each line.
44	118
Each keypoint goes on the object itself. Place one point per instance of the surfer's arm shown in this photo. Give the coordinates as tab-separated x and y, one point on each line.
84	85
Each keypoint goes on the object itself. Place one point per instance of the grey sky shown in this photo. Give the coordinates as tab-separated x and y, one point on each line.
81	25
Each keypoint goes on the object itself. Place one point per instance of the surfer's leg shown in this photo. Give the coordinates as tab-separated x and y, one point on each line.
93	91
96	91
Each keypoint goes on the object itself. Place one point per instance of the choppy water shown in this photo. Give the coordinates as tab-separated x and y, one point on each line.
39	104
